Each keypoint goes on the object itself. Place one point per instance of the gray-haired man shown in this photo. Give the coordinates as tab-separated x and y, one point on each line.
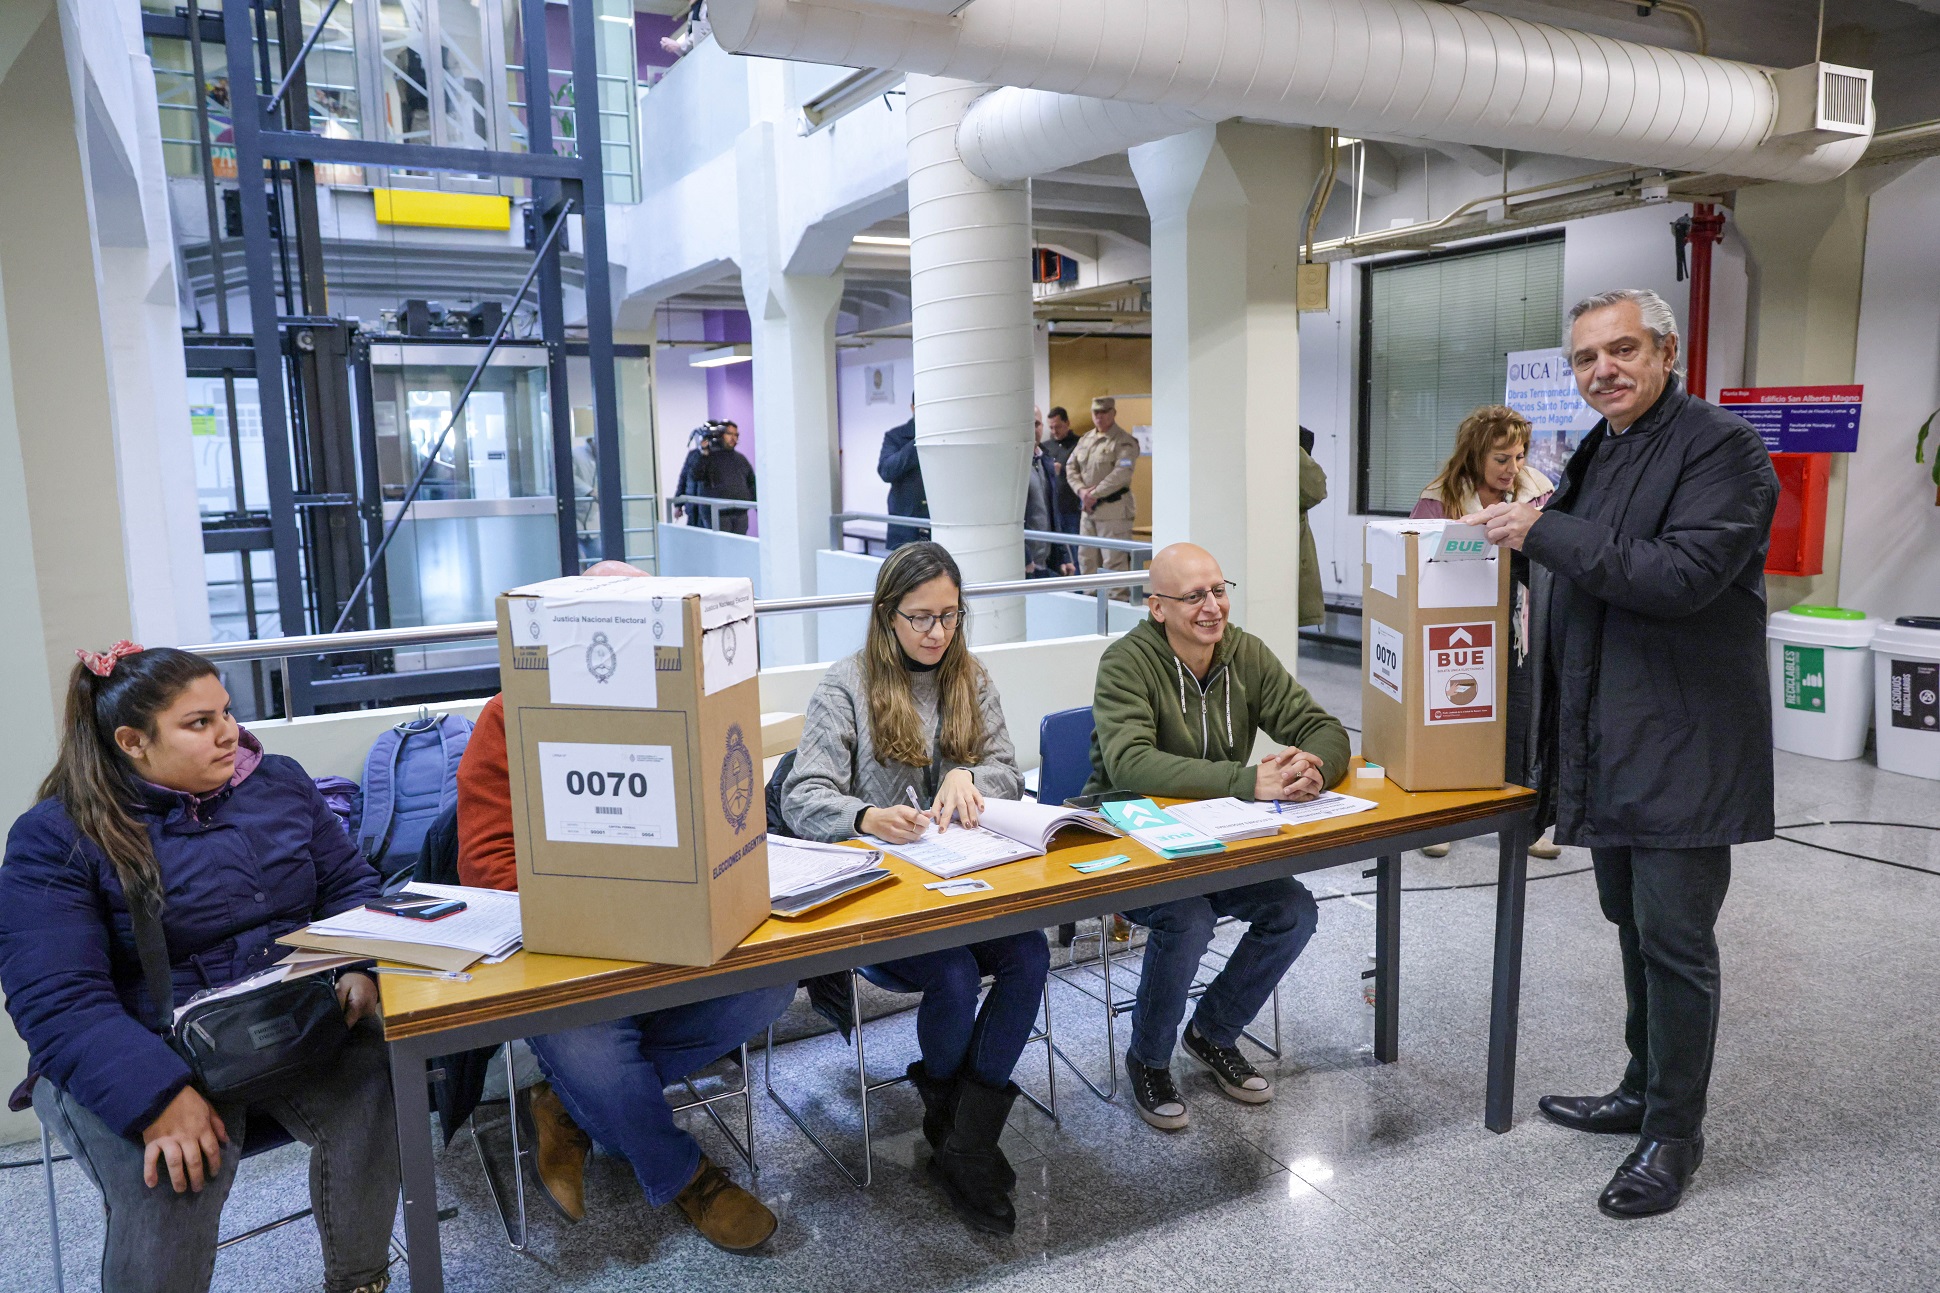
1654	727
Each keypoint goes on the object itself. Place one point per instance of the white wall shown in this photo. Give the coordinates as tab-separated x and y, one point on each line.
1890	563
863	424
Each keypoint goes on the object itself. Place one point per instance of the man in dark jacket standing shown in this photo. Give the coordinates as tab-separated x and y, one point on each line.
899	465
1654	737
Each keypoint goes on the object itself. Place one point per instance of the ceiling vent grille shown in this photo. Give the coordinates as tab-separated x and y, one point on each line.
1823	101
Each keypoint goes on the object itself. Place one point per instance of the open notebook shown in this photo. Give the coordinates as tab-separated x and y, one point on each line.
1011	829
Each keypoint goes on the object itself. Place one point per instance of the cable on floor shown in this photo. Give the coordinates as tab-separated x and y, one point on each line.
1444	888
35	1162
1846	853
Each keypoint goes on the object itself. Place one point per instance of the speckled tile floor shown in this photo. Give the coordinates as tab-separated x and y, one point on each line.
1819	1173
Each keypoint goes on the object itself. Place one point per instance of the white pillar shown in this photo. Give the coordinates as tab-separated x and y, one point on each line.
970	290
792	316
1228	205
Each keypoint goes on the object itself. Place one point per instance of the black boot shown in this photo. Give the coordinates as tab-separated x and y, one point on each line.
1652	1179
1620	1111
939	1103
939	1113
970	1167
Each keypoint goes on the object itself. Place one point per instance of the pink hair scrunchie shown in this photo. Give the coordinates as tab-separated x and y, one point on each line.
102	663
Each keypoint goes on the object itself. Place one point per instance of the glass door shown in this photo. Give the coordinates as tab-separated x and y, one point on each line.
486	518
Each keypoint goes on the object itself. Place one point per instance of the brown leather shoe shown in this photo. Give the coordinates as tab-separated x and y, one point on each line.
559	1149
726	1214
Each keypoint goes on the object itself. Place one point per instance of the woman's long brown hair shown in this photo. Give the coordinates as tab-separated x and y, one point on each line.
93	779
897	732
1460	481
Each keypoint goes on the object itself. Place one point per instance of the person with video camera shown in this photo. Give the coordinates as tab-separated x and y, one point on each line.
716	469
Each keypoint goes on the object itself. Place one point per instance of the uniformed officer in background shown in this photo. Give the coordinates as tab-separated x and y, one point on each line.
1100	473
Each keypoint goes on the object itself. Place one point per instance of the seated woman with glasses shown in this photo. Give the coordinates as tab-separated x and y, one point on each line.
912	718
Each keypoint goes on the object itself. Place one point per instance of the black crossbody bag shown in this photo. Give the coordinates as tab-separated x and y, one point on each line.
246	1046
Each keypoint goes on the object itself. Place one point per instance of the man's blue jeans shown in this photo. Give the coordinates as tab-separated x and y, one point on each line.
612	1077
1281	917
953	1034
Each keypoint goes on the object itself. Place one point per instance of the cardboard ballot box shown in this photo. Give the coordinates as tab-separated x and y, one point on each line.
1435	642
633	734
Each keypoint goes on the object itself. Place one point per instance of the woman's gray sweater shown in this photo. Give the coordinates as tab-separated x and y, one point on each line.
837	772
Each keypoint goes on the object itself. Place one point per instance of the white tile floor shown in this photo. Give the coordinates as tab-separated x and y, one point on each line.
1818	1176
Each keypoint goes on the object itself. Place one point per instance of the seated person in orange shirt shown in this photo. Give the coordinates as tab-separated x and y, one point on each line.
608	1078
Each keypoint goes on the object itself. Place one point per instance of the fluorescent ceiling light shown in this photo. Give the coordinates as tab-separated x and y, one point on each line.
879	240
739	353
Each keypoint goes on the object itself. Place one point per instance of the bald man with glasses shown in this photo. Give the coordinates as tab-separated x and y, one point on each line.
1178	703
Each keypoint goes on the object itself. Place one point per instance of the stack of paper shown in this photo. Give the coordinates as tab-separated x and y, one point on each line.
1159	830
1330	804
1229	819
488	928
803	875
296	965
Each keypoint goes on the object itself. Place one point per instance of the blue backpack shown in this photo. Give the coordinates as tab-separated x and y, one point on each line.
410	777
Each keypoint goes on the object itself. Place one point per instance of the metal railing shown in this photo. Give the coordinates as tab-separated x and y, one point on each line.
1136	547
715	506
305	648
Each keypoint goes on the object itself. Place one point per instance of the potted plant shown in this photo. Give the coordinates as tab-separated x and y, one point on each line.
1920	450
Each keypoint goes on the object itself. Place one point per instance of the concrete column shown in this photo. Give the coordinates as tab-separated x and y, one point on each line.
1228	205
970	304
1806	246
793	321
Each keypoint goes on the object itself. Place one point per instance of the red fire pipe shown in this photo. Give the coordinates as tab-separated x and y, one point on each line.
1707	227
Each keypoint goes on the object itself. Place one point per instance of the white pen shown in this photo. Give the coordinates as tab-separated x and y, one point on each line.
910	793
456	976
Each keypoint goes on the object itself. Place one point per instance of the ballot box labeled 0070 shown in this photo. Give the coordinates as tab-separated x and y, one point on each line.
1435	643
633	736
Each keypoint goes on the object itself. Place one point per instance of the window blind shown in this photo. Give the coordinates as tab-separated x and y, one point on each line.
1436	334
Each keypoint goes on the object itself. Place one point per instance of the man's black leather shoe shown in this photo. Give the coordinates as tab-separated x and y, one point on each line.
1653	1178
1620	1111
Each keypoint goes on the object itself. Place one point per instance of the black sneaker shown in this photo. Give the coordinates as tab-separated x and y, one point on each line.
1235	1074
1157	1099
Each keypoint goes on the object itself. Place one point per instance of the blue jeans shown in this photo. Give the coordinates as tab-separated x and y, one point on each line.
1280	917
612	1077
953	1033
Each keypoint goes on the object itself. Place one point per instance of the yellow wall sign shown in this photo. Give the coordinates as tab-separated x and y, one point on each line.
442	210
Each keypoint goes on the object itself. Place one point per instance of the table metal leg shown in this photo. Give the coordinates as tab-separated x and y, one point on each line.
1387	957
418	1170
1506	995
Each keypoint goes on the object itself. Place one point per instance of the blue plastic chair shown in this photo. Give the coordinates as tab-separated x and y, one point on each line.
1063	754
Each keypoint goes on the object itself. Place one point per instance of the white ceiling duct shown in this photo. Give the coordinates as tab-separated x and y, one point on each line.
1411	68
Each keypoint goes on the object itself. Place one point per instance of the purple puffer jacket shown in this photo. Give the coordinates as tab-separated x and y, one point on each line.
240	867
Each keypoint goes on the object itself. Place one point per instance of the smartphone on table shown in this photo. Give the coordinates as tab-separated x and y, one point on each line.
416	906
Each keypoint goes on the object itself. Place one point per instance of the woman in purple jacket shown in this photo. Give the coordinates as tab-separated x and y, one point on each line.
159	797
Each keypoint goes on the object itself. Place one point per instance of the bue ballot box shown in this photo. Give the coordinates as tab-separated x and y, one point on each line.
633	737
1434	646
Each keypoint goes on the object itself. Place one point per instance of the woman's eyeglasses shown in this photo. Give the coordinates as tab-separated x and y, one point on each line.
1198	596
923	621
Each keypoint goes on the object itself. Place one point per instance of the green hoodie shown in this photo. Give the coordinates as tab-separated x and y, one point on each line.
1160	731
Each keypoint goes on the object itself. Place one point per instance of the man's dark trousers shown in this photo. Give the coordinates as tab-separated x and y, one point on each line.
1664	903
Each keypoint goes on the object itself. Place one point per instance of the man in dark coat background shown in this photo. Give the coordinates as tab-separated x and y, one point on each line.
1653	744
903	470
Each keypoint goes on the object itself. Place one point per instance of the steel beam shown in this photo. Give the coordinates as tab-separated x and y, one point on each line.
246	111
599	284
303	145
